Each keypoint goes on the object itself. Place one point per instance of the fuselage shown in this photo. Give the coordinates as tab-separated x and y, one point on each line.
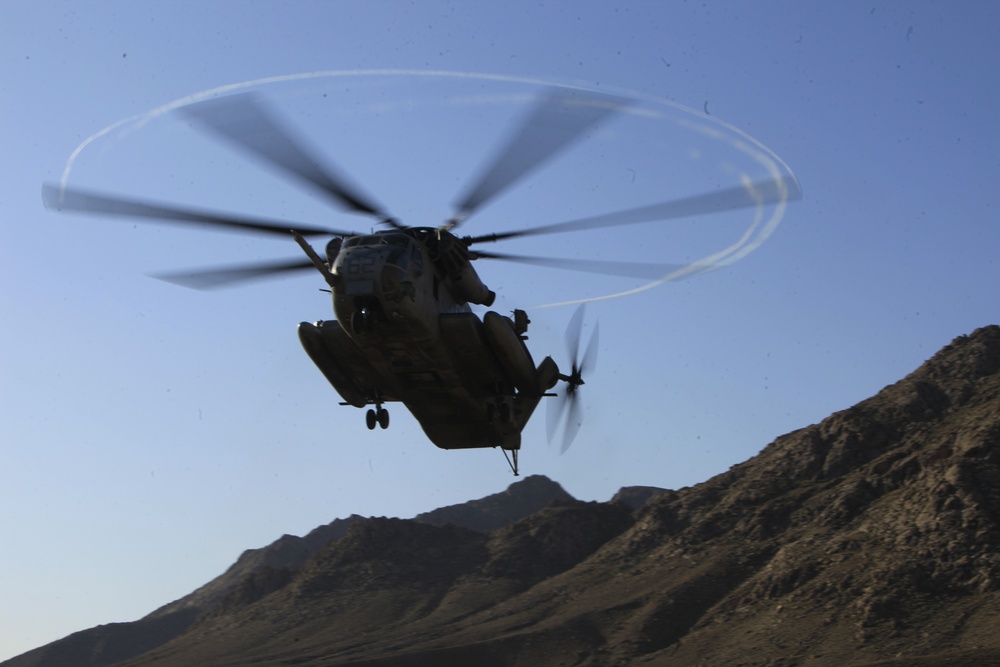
405	332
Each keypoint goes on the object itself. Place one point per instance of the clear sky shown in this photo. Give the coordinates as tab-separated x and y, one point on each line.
150	433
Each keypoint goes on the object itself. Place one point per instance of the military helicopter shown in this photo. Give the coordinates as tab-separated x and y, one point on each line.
405	330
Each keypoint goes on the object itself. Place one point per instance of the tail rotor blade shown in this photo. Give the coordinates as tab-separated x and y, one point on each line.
574	420
566	410
573	331
553	415
589	362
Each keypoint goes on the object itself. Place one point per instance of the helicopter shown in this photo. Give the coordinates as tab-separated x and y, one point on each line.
404	328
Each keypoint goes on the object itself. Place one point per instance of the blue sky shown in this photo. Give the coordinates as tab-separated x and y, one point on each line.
149	433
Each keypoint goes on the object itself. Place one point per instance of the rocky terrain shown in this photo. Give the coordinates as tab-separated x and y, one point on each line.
871	538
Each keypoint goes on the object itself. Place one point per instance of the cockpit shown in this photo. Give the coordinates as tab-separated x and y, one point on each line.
387	263
378	239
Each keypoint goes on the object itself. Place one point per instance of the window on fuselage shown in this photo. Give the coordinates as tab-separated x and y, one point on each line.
399	257
390	238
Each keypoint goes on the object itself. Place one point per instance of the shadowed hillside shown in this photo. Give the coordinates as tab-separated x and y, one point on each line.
871	538
259	572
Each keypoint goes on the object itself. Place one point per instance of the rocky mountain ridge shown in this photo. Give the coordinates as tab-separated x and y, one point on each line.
258	572
871	538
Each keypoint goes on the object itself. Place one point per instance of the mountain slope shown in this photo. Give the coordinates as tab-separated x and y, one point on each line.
259	572
391	585
871	538
518	501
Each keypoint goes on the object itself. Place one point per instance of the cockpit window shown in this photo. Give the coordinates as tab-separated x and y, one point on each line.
382	238
398	257
396	239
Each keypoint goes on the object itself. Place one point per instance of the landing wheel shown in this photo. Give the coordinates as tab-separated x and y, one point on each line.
382	417
371	419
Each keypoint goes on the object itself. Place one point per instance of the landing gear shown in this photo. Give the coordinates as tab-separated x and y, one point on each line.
378	415
511	460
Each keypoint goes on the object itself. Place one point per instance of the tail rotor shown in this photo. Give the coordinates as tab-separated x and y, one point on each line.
565	409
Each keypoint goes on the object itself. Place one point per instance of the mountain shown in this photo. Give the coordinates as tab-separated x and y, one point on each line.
518	501
288	553
258	572
869	539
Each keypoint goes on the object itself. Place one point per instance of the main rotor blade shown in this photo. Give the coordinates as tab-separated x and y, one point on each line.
650	271
760	193
242	120
560	117
83	201
228	277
